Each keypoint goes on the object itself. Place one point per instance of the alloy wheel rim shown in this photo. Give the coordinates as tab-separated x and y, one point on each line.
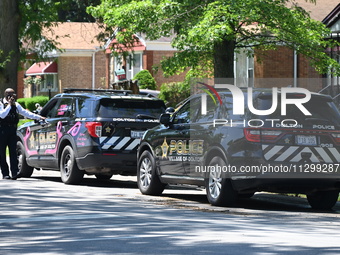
145	173
215	184
67	164
20	161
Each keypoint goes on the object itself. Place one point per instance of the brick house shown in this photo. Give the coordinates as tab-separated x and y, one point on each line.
79	62
144	55
288	68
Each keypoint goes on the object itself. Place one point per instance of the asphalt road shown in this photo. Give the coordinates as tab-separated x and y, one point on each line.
41	215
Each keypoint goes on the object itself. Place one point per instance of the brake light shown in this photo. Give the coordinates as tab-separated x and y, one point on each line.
336	137
94	128
258	135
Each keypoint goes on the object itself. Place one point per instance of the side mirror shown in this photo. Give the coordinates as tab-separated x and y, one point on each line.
170	110
165	119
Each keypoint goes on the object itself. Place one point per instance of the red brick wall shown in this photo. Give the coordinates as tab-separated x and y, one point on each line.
100	70
274	63
76	72
20	84
280	64
154	58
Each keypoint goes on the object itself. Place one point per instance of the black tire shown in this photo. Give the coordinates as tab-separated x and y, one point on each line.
103	176
323	200
24	169
147	179
70	173
219	188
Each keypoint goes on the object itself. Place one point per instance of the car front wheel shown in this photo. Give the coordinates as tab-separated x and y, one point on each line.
147	178
219	188
24	169
323	200
70	173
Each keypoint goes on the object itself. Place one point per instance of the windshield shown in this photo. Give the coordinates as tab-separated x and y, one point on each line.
143	109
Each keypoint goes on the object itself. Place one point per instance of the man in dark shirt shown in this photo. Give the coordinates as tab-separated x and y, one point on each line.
9	118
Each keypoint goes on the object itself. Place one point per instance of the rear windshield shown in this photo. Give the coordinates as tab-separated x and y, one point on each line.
323	111
143	109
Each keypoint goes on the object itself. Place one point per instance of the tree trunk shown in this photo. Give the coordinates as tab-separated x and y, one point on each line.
224	60
9	44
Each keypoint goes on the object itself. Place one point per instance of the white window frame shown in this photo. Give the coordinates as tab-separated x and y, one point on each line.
131	69
44	87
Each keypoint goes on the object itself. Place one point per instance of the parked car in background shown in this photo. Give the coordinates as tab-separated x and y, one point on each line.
95	132
234	156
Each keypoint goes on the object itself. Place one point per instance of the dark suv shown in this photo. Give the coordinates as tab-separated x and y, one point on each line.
236	155
88	131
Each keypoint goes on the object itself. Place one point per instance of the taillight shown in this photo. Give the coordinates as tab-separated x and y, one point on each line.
94	128
258	135
336	137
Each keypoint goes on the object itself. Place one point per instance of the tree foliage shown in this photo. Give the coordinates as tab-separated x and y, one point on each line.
22	23
207	33
75	10
21	30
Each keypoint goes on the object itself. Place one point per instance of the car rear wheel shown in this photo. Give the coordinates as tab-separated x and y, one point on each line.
70	173
219	188
147	178
24	169
323	200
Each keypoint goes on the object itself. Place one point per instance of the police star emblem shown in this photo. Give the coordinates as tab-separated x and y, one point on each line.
165	147
108	130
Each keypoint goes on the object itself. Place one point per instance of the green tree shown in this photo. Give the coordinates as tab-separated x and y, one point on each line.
21	24
207	33
75	10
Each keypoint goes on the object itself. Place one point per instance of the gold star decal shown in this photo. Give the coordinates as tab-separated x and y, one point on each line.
165	147
287	140
108	130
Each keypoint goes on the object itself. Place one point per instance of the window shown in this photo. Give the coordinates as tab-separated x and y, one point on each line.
188	112
244	69
59	108
121	108
85	107
210	108
49	82
134	64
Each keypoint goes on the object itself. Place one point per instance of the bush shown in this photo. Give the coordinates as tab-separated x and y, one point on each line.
174	92
145	80
22	102
23	121
29	103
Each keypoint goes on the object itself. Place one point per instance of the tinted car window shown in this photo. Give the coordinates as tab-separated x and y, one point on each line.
322	110
65	108
183	114
85	108
129	108
50	109
210	108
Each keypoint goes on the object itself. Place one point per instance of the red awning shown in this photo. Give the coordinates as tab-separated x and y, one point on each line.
41	68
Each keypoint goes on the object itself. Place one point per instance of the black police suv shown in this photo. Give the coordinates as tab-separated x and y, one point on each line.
235	155
88	132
